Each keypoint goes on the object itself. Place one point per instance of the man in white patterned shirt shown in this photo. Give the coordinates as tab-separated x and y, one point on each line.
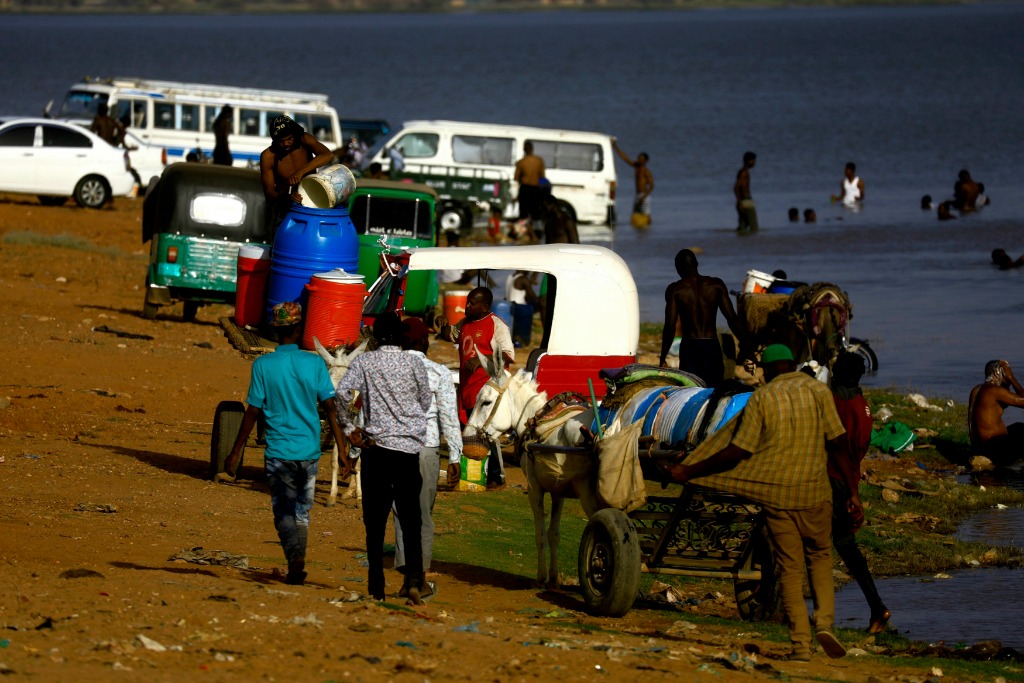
442	418
395	393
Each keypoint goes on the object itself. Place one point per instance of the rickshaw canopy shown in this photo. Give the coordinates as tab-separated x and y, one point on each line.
597	311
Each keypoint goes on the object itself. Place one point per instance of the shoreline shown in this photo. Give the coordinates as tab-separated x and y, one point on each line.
275	7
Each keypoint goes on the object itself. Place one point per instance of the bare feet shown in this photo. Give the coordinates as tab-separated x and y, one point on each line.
879	621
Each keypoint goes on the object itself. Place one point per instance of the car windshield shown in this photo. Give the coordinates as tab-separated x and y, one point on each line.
79	104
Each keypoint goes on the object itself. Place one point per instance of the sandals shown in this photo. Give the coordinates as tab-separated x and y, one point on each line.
878	623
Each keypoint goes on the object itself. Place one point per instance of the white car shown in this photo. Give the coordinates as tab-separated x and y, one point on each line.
146	160
57	160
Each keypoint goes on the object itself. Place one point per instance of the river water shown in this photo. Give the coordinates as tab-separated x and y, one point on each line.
911	94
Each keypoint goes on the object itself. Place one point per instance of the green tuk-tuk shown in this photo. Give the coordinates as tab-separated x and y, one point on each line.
405	214
197	216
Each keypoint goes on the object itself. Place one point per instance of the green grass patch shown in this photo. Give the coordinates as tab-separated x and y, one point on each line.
62	241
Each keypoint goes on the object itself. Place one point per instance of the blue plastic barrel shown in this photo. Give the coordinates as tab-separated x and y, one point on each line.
503	310
310	241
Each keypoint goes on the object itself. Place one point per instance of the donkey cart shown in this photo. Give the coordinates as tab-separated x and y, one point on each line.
701	533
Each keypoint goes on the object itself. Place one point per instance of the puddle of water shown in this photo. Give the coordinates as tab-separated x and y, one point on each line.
997	527
975	605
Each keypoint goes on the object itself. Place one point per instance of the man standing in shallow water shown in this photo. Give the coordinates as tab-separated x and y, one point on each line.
990	436
744	202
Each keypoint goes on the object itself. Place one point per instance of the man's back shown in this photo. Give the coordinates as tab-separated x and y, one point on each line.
985	412
697	300
529	170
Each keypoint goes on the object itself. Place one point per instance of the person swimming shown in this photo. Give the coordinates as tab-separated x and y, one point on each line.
1003	260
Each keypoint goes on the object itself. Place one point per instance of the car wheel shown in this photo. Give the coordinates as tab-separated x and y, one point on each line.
189	310
52	201
454	218
92	192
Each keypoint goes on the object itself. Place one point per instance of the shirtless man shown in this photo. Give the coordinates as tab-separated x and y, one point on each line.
694	301
965	192
529	170
989	435
744	202
292	155
644	180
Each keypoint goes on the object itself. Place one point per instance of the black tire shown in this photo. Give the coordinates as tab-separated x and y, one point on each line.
609	563
455	218
226	421
46	200
92	192
189	309
758	599
864	351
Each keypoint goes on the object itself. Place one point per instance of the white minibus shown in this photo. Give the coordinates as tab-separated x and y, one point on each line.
579	164
179	116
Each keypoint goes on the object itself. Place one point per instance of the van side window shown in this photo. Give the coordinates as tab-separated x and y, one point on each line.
569	156
189	117
131	113
418	145
163	115
473	149
249	122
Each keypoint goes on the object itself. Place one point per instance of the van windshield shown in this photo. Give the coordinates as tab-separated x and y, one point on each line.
81	104
377	146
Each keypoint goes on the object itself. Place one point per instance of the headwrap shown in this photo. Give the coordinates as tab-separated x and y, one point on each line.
286	313
283	125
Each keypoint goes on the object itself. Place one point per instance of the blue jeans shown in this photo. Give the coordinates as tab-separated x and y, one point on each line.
292	485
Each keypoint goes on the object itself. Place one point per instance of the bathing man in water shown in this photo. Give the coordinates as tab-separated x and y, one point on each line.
292	155
744	202
989	435
694	301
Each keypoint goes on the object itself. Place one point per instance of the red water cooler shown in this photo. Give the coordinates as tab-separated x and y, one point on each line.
334	309
251	283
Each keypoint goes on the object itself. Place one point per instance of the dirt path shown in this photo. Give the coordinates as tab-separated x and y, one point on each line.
105	443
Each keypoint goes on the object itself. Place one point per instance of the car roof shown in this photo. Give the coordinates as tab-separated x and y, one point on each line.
597	310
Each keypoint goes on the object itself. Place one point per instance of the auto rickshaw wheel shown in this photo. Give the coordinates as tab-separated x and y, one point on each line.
609	563
226	421
758	599
189	309
92	192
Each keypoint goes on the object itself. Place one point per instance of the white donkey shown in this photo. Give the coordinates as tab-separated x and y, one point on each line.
337	366
509	402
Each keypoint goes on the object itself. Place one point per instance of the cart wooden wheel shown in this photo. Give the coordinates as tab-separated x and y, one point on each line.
758	599
226	421
609	563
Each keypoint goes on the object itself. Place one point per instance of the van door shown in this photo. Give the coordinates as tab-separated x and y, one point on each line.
578	172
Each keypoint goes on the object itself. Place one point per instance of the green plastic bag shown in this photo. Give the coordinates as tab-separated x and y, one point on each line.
893	437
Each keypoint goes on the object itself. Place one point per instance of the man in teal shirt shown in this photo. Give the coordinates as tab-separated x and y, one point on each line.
286	386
